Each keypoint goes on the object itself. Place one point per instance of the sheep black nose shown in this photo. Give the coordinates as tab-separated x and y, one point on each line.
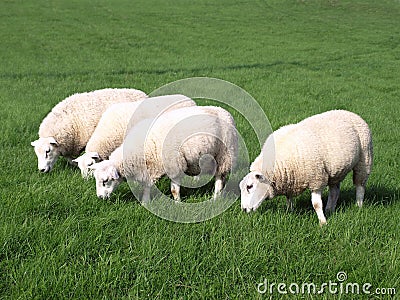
43	170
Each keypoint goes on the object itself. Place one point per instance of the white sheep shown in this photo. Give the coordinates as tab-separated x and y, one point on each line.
119	118
68	126
312	154
174	144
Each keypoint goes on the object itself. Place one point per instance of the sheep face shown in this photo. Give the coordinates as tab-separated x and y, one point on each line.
47	152
85	161
107	178
254	189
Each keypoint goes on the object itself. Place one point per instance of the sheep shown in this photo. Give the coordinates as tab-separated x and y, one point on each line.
175	145
117	119
312	154
68	126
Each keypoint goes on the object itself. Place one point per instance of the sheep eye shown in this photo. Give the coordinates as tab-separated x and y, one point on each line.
104	182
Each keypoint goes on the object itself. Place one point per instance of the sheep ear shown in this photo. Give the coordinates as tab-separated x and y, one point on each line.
53	141
76	160
114	174
34	143
265	180
95	156
261	178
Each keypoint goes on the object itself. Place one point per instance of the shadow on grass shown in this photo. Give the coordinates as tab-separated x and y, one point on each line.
202	193
374	195
187	194
262	66
63	164
149	72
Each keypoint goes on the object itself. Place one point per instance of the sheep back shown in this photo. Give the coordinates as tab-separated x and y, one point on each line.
177	140
120	117
318	151
72	121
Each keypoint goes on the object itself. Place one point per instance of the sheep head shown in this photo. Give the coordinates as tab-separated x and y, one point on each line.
47	151
85	161
107	178
254	188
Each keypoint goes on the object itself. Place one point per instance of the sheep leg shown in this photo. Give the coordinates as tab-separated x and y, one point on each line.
71	161
360	192
289	204
360	176
334	192
219	185
146	194
175	190
317	204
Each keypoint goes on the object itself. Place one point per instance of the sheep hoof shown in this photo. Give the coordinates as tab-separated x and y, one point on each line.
322	223
329	212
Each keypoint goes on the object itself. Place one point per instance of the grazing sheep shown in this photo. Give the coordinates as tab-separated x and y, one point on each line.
68	127
117	119
312	154
175	144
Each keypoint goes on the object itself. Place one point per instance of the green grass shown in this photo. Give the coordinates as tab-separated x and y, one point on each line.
297	58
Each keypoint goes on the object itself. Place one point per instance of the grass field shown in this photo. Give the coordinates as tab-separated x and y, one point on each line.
297	58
